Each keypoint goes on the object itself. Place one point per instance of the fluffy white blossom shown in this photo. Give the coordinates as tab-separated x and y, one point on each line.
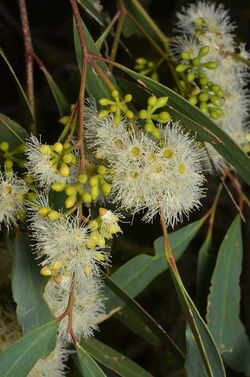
88	305
53	365
149	175
109	223
63	246
42	164
12	190
209	22
205	23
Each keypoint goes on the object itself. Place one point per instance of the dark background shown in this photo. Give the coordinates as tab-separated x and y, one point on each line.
51	27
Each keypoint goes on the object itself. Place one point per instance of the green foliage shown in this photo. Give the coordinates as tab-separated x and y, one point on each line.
88	365
112	359
19	359
224	302
32	311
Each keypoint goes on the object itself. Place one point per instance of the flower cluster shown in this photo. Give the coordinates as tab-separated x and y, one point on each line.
162	174
220	92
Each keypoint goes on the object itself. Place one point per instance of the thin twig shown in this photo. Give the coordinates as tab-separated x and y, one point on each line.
81	96
28	48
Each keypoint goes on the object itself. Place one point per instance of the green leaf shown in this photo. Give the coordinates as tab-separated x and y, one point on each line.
135	275
19	359
61	102
91	10
88	365
224	302
193	363
149	322
205	266
95	86
112	359
193	119
11	131
206	346
140	21
32	311
19	87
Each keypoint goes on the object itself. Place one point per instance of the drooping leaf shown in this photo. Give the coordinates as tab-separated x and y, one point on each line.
19	359
11	131
89	367
135	275
32	311
205	266
206	346
94	84
112	359
149	322
224	302
19	87
92	11
61	102
193	363
193	119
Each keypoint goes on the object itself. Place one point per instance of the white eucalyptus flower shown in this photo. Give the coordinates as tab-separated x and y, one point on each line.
53	365
12	191
87	310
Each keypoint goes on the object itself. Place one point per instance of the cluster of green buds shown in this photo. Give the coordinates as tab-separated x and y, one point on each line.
50	213
30	182
148	115
89	186
147	68
192	67
12	156
209	98
61	156
116	106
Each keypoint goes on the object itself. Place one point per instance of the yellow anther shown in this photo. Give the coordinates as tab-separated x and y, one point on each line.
135	151
168	153
182	168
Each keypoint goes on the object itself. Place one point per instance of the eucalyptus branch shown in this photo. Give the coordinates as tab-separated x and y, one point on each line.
28	48
81	96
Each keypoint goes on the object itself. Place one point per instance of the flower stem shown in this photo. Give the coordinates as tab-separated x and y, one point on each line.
28	48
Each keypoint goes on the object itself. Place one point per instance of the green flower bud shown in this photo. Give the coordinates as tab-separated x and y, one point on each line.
215	101
141	61
181	68
196	62
4	146
86	197
156	133
70	190
185	55
94	180
115	94
193	100
203	97
128	98
143	114
101	169
152	100
70	201
106	188
94	192
203	107
58	147
203	51
163	117
149	127
105	101
129	114
190	76
162	101
82	178
210	65
8	164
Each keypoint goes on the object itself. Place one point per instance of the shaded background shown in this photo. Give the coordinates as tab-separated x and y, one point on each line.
51	27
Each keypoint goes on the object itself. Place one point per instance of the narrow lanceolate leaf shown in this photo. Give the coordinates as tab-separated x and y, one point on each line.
27	284
11	131
204	342
224	302
19	87
113	360
61	102
89	367
193	363
94	84
88	5
205	266
135	275
193	119
149	322
19	359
